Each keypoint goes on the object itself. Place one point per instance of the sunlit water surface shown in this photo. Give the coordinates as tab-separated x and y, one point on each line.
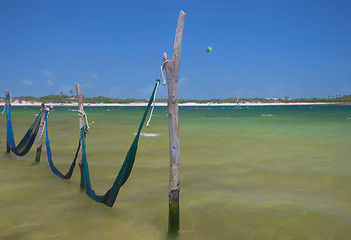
246	173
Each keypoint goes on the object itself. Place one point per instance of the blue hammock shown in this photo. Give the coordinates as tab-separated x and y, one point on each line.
68	175
28	139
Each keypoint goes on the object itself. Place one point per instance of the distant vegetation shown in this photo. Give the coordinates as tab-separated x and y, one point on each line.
101	99
63	98
333	99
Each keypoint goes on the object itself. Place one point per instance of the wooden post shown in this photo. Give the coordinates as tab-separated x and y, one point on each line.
172	70
41	133
81	124
8	102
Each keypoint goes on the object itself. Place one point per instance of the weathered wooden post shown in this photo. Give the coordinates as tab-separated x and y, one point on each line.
8	102
172	70
81	124
41	133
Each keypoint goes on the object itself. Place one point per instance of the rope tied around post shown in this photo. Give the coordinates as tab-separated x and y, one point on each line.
5	105
85	129
84	115
157	84
162	68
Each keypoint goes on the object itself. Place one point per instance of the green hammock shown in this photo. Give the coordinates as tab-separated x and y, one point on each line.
110	196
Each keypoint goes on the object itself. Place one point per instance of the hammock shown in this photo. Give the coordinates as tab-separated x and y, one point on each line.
27	141
110	196
68	175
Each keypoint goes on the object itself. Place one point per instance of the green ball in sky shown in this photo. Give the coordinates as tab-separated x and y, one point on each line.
209	49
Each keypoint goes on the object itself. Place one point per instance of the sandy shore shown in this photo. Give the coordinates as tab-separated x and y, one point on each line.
190	104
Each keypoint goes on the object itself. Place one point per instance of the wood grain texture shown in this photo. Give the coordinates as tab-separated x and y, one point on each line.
172	71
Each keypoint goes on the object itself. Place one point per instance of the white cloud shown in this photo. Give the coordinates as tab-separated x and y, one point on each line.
27	82
50	83
93	75
47	73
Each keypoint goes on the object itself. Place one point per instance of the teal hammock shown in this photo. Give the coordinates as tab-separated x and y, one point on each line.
28	139
110	196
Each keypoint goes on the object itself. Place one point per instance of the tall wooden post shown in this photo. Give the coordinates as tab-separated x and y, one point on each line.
81	124
8	102
172	70
41	133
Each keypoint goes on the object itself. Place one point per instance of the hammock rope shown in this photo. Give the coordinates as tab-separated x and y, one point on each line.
110	196
28	139
157	84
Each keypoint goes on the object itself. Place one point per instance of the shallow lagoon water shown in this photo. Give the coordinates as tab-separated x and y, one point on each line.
281	172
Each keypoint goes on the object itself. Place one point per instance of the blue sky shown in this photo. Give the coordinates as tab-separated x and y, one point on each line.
261	48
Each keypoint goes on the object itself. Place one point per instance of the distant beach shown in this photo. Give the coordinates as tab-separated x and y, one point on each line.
162	104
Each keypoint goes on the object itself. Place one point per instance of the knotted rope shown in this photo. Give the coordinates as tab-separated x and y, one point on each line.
157	84
85	117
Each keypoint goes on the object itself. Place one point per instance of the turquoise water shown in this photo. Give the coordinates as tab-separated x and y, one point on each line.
281	172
